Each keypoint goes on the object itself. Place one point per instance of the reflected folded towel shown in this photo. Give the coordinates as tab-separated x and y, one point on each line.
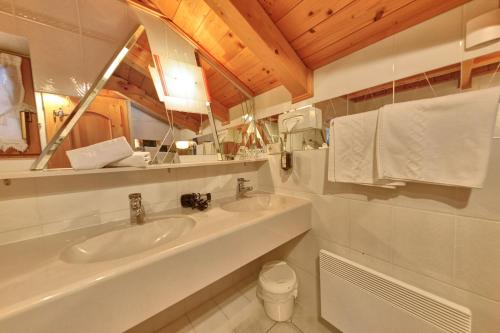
352	151
100	154
139	159
444	140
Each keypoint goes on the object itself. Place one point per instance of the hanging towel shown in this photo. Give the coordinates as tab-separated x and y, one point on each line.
444	140
100	154
11	103
352	150
139	159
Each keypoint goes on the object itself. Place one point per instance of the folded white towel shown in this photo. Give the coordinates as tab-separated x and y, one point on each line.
139	159
444	140
100	154
352	150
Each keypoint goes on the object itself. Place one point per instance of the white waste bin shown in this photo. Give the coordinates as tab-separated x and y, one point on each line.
277	287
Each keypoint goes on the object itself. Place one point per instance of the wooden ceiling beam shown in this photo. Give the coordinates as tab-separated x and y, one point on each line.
220	111
167	7
382	88
466	74
250	22
149	105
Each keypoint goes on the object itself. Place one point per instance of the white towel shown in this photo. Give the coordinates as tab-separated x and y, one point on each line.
11	103
139	159
352	150
444	140
100	154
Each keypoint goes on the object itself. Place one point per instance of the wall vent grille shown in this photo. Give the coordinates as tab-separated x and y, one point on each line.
446	315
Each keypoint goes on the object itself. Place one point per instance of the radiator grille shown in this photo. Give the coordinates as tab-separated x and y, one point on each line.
435	310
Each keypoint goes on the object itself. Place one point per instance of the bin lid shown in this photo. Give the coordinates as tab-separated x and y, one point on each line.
277	277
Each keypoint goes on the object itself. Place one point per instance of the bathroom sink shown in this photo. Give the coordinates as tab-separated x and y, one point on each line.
255	203
128	241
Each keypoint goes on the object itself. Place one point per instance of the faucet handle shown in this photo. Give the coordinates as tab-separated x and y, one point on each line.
243	180
134	196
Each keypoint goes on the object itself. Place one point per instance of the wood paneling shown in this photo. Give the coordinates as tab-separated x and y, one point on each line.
276	9
356	16
105	119
407	16
307	14
249	21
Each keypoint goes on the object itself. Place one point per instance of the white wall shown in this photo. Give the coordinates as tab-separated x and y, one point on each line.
441	239
36	207
432	44
146	127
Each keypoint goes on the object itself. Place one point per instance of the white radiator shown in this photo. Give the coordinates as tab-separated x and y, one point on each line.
357	299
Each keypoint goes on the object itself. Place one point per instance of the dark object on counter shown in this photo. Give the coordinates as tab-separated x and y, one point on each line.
286	160
196	200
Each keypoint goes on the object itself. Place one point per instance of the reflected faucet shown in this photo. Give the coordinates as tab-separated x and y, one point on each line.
137	212
242	189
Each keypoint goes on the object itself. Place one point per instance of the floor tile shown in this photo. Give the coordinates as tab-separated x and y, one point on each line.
285	327
231	302
208	318
311	323
248	287
254	321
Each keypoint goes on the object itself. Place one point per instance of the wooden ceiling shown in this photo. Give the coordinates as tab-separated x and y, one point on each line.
267	43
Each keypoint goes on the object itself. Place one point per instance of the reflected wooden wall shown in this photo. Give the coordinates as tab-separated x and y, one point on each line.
105	119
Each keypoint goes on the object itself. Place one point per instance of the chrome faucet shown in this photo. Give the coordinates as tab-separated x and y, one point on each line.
242	189
137	212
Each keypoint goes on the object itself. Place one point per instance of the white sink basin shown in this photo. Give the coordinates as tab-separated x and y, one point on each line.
128	241
256	203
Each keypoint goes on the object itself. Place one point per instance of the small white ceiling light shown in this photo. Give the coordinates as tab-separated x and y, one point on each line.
183	144
482	29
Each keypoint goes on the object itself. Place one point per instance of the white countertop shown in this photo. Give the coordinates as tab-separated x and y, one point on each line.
33	274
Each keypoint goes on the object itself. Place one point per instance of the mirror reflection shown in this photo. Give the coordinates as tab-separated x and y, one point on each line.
238	135
129	107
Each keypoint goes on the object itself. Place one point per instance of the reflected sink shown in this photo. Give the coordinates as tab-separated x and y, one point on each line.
128	241
255	202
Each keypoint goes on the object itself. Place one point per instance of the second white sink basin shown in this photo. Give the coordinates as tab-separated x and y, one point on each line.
255	203
128	241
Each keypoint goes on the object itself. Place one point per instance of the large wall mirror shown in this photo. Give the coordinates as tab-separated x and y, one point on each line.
157	102
156	91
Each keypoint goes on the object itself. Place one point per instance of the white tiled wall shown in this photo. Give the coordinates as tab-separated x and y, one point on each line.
34	207
442	239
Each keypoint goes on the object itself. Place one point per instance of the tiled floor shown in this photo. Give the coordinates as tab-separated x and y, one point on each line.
238	310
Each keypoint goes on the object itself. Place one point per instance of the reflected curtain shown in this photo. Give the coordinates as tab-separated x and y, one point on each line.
11	103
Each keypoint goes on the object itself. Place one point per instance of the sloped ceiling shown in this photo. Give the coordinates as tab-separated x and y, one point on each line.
267	43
